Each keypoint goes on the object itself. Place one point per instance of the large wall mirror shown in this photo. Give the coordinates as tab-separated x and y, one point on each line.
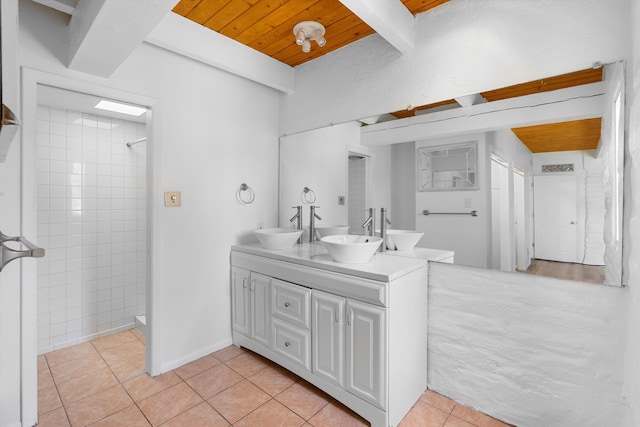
537	199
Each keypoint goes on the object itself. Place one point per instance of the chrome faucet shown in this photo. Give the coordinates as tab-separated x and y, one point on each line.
369	224
384	221
312	223
298	217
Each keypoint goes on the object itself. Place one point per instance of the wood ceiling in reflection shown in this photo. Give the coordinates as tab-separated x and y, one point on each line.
267	25
564	136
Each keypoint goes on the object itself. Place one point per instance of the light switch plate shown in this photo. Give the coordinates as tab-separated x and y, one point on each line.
340	200
172	199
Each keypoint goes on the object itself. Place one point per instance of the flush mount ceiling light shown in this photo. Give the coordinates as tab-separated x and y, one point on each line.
306	31
117	107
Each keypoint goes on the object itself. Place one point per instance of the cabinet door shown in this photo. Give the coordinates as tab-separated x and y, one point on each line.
328	336
366	352
240	300
261	309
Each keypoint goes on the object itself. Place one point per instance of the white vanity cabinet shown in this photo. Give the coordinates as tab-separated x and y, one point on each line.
250	308
358	332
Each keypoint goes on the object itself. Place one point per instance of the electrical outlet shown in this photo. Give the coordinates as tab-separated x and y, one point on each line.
172	199
340	200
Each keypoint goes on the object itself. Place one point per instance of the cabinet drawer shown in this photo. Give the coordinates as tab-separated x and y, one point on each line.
291	303
292	342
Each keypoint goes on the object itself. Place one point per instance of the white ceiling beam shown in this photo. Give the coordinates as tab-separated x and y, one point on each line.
575	103
64	6
102	34
389	18
187	38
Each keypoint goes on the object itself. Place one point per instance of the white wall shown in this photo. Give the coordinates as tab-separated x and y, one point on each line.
403	183
632	233
471	240
462	47
530	350
211	132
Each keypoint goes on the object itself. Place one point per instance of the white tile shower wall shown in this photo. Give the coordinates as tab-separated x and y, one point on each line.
92	223
357	195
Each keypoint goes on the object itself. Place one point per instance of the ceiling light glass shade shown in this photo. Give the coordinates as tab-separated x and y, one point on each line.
321	41
306	46
300	37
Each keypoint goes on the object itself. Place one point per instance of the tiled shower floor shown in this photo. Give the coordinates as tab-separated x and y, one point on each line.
103	383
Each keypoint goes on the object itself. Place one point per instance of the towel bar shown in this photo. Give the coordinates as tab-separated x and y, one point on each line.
427	212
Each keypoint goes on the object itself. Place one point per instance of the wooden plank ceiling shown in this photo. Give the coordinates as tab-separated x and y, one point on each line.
564	136
267	25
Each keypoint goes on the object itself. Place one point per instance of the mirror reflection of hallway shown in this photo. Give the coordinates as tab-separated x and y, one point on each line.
357	192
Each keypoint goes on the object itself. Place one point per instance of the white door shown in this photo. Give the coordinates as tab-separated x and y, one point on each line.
555	217
240	300
366	352
522	260
328	336
260	309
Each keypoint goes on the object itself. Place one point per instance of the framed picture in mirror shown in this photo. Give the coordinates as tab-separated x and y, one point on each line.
448	167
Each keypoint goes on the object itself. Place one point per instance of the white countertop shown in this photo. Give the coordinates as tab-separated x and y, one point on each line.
383	267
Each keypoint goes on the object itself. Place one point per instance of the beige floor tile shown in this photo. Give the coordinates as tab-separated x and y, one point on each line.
304	399
197	366
248	364
129	417
65	355
98	406
423	415
67	371
202	415
143	386
228	353
212	381
163	406
439	401
138	334
130	369
273	379
48	400
45	380
271	414
123	353
336	414
456	422
477	418
42	363
113	340
55	418
86	385
238	400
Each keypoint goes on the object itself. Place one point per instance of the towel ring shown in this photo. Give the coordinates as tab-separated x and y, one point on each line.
307	195
239	194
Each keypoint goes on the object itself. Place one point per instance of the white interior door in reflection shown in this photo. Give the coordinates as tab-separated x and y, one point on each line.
555	217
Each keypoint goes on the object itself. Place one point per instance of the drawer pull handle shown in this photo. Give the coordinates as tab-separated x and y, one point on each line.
286	304
287	343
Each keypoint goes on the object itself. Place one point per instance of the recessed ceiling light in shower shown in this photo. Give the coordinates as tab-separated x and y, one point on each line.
118	107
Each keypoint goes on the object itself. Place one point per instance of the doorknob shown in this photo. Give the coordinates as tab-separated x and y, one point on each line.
572	222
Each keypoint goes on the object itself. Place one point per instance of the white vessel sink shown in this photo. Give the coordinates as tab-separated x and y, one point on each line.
402	240
351	249
278	238
330	230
